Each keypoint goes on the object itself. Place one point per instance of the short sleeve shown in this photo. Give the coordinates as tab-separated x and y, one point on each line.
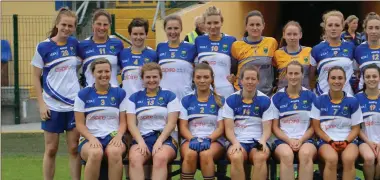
79	105
131	106
183	112
268	112
313	57
275	111
124	100
37	60
312	61
315	109
356	116
173	106
227	111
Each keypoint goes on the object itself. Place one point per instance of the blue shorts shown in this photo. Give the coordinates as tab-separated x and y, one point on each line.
104	141
59	122
360	141
152	137
248	146
321	142
277	142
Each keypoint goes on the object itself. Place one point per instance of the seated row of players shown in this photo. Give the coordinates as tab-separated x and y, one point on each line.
246	118
56	59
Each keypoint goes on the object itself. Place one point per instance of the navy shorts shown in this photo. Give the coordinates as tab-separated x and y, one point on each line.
152	137
59	122
321	142
248	146
360	141
277	142
104	141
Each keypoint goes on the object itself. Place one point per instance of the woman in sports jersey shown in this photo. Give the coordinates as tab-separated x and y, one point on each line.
256	50
369	142
350	33
332	52
100	119
176	59
336	121
100	45
291	124
369	51
152	115
215	48
291	50
201	126
56	61
131	59
248	118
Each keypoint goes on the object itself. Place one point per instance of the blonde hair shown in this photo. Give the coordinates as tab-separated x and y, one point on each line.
290	23
349	19
326	16
150	67
212	11
63	11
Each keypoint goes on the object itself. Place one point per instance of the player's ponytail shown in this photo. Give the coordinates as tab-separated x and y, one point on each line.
63	11
205	66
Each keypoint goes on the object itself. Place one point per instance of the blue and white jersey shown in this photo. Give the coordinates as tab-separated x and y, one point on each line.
336	119
203	117
101	110
371	116
131	64
59	73
152	112
177	66
364	56
326	57
89	51
248	118
218	55
293	113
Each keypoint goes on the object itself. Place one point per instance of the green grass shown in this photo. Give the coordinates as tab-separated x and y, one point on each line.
22	158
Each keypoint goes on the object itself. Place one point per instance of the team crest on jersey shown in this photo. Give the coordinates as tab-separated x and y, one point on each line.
112	48
266	50
372	107
161	101
146	60
345	110
256	110
183	54
306	59
305	105
345	50
113	101
225	47
212	108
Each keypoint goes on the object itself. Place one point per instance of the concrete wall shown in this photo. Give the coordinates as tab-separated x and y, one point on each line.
234	17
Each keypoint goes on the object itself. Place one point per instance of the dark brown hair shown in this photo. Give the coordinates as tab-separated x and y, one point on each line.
63	11
249	68
336	68
138	22
205	66
370	66
254	13
101	12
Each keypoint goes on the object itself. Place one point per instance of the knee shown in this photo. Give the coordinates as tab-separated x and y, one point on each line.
348	160
236	158
305	156
331	162
73	149
51	151
259	159
95	154
287	157
114	154
190	157
206	157
135	160
369	160
160	160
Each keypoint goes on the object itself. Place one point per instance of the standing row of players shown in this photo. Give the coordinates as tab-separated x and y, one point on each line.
56	60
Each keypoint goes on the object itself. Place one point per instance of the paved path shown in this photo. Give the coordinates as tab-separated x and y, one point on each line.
22	128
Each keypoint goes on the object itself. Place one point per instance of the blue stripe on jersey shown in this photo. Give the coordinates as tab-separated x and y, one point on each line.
323	50
162	99
285	104
185	51
113	98
368	105
205	44
256	109
127	58
54	94
364	55
346	108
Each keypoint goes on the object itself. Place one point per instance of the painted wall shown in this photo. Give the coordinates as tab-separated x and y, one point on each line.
234	17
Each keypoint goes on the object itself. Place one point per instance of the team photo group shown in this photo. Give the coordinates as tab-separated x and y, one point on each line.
211	97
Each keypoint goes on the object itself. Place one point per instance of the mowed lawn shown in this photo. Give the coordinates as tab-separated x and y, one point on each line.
22	155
